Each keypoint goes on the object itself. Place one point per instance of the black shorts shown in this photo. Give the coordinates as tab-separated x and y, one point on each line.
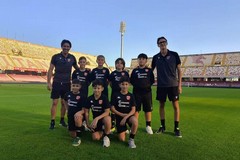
171	92
145	100
71	120
60	89
99	126
120	128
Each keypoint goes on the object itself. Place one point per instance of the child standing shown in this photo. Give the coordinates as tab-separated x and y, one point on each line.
123	105
101	73
83	75
100	107
142	79
74	102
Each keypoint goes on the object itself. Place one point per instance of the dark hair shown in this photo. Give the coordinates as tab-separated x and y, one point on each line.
76	81
120	59
142	55
81	58
97	82
161	38
66	41
124	79
101	56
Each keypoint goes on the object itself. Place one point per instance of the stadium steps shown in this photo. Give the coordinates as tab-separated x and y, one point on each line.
5	78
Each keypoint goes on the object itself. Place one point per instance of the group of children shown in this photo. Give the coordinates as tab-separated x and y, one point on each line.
122	109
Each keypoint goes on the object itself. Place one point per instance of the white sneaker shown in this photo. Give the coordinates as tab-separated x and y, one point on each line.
131	143
149	130
106	141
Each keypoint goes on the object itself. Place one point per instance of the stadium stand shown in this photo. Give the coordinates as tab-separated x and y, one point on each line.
5	78
211	69
26	62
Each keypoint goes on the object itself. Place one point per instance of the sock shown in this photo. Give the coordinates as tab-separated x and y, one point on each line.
176	123
163	123
104	134
148	123
113	117
62	119
132	136
78	130
53	121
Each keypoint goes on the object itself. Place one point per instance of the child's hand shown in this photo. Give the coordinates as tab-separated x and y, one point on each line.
49	86
94	123
89	128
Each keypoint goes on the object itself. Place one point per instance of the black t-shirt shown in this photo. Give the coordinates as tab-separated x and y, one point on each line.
142	79
63	67
123	102
115	77
166	68
75	102
102	74
97	106
84	78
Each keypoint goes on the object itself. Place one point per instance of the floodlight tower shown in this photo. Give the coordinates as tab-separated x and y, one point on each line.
122	31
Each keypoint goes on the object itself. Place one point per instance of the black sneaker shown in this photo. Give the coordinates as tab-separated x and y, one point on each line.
52	124
178	133
62	123
161	130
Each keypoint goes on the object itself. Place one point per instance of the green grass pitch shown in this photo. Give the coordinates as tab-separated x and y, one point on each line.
209	123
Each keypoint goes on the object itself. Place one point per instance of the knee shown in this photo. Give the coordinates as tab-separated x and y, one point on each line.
107	120
134	121
96	138
54	103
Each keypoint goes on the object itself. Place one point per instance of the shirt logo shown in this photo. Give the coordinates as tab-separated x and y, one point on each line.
100	101
78	97
146	70
85	73
168	57
104	71
123	73
128	98
69	60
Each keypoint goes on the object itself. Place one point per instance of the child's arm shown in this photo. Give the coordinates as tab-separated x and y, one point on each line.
152	79
117	112
86	113
123	121
95	121
66	105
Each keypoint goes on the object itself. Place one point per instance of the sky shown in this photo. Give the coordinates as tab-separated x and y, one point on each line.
191	26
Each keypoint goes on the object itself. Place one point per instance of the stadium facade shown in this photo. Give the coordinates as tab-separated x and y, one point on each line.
211	69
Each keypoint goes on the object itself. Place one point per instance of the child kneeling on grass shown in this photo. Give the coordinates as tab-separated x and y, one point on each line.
100	107
74	102
123	105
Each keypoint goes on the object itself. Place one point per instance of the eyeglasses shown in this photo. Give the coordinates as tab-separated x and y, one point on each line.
162	42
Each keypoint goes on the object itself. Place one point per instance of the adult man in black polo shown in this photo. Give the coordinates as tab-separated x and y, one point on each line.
169	79
63	63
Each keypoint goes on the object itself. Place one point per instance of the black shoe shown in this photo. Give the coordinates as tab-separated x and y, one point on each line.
62	123
177	133
52	124
160	130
